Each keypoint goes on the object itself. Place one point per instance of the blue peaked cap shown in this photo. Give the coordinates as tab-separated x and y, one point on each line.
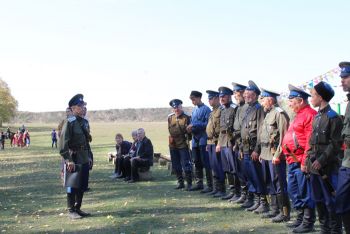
297	92
238	87
225	91
253	87
175	103
212	94
268	93
344	69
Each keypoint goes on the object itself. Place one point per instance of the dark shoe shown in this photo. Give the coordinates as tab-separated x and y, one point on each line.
82	213
212	192
228	196
256	203
242	199
303	228
120	176
219	194
180	186
263	207
249	202
74	215
299	219
126	179
234	198
270	214
207	190
280	218
196	188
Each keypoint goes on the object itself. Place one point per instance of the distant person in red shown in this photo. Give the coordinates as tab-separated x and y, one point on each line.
54	138
20	140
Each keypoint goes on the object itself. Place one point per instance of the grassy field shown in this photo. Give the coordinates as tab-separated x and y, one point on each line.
32	199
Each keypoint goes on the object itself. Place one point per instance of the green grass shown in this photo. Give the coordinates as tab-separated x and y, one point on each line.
32	199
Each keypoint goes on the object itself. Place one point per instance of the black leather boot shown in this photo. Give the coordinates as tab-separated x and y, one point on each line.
284	204
249	202
209	177
215	186
256	203
79	199
231	182
263	207
323	218
298	220
236	190
222	190
335	223
199	180
180	181
243	196
72	214
188	177
308	222
346	221
274	205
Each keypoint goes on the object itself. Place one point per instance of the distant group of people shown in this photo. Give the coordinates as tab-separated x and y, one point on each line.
20	138
131	157
251	143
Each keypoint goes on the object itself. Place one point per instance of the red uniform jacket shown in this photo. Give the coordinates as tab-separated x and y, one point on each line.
296	139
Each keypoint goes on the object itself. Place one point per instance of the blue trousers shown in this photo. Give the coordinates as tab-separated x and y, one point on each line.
254	174
343	191
180	160
320	192
215	163
227	159
299	188
200	157
275	177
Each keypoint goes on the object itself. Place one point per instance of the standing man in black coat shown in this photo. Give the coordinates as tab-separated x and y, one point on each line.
144	155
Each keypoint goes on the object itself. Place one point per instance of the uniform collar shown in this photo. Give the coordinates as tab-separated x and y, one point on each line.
325	109
304	108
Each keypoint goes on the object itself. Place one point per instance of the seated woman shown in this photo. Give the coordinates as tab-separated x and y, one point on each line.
131	154
122	149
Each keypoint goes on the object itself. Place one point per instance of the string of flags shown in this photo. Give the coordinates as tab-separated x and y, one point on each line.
331	77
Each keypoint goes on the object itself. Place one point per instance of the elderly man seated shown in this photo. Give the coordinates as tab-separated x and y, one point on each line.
143	158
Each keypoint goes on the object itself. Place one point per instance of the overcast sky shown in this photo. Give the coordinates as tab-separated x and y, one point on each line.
131	54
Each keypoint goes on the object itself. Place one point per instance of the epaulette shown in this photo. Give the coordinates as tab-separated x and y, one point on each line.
222	107
257	106
171	114
279	109
331	114
187	114
234	105
71	119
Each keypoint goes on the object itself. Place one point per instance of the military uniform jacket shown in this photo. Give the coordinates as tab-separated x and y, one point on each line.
346	135
213	127
252	119
177	129
237	124
73	143
325	141
226	125
274	126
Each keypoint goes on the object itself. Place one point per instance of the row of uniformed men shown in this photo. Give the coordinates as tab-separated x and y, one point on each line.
252	143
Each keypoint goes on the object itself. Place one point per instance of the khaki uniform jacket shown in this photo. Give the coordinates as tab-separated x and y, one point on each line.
274	126
73	144
227	118
213	127
252	119
179	137
346	135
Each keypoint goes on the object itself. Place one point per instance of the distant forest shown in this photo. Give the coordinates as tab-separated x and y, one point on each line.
113	115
